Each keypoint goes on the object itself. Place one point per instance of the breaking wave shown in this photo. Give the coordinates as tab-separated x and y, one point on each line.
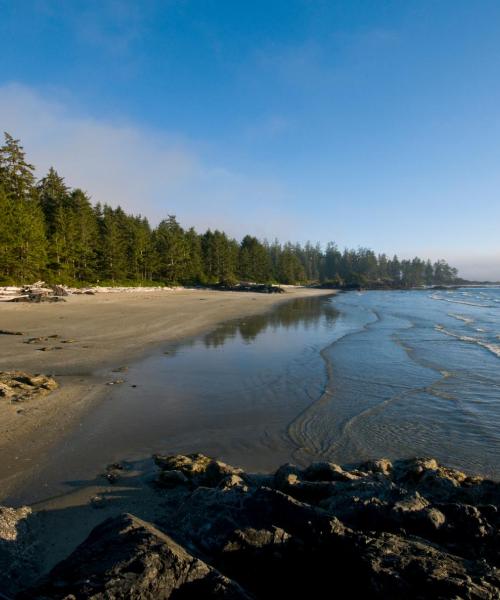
493	348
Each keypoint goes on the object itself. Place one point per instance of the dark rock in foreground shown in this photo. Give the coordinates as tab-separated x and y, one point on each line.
125	557
409	529
18	547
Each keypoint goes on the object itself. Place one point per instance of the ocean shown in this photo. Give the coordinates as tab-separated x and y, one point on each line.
344	378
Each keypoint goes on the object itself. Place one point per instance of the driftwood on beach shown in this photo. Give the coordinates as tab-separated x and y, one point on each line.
41	292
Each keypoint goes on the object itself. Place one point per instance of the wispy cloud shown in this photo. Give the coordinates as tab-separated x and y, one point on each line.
145	172
111	25
269	127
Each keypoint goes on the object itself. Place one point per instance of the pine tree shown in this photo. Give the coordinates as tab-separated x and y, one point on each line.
254	263
220	255
16	175
113	244
84	254
7	237
194	267
24	242
290	269
141	251
54	199
172	249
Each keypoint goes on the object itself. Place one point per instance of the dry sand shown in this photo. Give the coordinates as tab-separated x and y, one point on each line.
96	334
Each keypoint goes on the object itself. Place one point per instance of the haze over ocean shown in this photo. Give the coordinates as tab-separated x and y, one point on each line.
373	124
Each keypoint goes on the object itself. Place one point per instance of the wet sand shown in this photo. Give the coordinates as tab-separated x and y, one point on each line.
96	335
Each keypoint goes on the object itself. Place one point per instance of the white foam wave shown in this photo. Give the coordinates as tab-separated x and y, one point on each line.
463	318
434	297
493	348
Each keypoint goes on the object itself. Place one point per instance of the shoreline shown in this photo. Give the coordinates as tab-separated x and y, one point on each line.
97	335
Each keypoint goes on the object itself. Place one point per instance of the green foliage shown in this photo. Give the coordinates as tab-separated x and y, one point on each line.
22	229
48	231
253	261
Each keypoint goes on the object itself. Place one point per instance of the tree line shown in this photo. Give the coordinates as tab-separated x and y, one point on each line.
49	231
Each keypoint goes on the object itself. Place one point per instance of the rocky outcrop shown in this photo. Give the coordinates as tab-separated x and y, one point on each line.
19	386
126	558
18	548
409	529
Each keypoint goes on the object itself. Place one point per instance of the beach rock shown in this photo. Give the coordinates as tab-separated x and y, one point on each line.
410	529
233	481
8	332
36	340
324	471
127	558
197	468
382	465
287	475
19	386
172	478
401	567
18	548
11	519
97	502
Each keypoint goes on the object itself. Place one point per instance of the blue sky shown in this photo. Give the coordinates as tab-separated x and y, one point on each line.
371	123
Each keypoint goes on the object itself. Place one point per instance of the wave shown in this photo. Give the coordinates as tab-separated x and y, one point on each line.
434	297
463	318
493	348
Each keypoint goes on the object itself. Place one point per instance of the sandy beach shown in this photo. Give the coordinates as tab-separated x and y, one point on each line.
96	335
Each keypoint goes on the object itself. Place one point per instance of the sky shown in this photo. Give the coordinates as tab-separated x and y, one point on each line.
370	123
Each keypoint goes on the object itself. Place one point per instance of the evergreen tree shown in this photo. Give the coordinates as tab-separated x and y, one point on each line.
114	238
49	231
142	258
194	268
23	228
254	263
172	249
290	269
16	175
429	273
220	257
84	254
54	199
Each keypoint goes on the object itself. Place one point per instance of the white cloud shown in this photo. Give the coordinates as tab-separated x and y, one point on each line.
143	171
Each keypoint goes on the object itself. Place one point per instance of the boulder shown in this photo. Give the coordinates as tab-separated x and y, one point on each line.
197	468
410	529
18	548
127	558
172	478
19	386
326	471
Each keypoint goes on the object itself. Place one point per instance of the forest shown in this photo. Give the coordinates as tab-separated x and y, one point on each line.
51	232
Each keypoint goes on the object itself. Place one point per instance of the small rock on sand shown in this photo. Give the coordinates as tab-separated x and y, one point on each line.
18	386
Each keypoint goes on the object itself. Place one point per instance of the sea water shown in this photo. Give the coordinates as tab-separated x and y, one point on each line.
345	378
418	374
